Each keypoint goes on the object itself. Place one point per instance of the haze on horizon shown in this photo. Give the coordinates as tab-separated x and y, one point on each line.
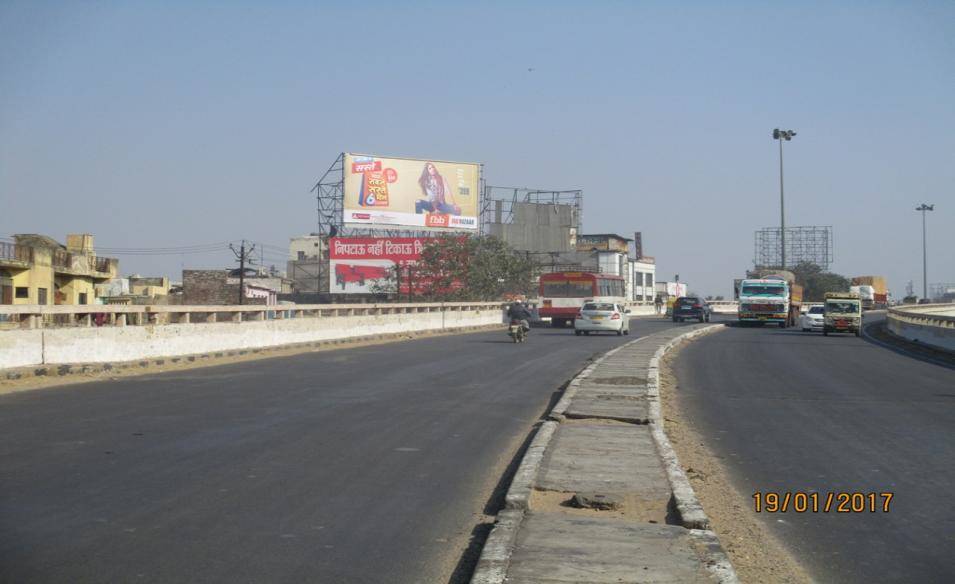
179	124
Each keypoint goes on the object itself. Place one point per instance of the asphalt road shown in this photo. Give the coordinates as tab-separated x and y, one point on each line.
791	411
360	465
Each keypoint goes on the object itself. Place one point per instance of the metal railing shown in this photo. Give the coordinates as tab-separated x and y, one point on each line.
61	259
12	251
98	264
36	316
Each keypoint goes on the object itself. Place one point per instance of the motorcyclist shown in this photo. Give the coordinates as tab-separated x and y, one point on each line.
520	313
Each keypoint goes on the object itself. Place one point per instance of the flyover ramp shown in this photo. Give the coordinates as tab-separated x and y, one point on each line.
372	464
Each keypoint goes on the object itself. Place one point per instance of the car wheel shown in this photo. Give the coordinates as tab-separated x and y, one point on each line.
626	332
586	333
578	333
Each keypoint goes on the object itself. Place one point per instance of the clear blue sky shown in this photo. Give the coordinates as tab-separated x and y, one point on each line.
169	124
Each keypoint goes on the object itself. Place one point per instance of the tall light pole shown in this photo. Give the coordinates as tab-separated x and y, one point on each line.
781	135
923	208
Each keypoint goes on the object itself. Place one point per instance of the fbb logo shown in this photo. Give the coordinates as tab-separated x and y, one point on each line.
365	166
436	220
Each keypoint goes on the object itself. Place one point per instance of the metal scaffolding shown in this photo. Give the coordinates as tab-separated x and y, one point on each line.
811	243
499	202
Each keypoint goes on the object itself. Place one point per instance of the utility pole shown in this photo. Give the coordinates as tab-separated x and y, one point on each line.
242	255
781	135
923	208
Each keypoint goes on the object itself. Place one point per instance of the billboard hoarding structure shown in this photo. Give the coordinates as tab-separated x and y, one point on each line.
375	265
410	193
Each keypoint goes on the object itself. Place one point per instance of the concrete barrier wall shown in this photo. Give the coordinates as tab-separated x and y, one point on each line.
930	324
22	348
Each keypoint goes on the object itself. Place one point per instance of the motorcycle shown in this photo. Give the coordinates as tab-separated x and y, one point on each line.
516	331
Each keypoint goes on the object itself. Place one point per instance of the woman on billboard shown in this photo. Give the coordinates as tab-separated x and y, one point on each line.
436	191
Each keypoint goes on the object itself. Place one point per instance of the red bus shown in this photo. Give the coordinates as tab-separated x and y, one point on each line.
562	294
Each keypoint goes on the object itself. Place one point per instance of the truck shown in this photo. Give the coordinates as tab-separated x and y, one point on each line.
872	291
842	313
770	297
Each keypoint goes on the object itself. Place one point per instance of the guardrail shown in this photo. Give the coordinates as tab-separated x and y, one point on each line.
31	316
931	324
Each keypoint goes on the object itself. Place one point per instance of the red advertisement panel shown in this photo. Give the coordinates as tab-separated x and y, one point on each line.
366	265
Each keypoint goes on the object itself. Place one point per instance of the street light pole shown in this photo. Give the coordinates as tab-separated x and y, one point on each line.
923	208
782	135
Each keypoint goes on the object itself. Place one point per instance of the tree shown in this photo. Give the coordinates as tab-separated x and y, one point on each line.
453	267
816	282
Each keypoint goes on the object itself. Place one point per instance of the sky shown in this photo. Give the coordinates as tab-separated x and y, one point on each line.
174	124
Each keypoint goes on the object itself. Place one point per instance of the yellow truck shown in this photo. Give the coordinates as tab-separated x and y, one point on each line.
842	313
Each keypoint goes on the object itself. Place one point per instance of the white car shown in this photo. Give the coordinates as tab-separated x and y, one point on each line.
812	320
602	316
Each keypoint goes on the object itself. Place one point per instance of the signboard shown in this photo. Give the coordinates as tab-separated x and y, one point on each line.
603	242
420	194
367	265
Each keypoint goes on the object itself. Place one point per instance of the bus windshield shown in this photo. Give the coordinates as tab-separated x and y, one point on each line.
567	289
763	290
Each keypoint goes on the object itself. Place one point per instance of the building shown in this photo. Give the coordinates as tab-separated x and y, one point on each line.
135	290
219	287
307	266
37	269
643	279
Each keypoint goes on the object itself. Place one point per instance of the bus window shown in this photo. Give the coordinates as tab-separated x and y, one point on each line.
566	289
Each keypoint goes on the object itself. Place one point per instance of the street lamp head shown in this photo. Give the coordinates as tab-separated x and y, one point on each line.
924	207
783	134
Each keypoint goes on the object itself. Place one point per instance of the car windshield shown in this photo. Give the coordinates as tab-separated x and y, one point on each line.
843	307
689	301
602	306
763	290
817	310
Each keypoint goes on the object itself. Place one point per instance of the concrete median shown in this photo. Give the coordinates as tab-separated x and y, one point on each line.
599	495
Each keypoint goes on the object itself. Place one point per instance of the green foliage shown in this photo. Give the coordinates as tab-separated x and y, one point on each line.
471	268
816	283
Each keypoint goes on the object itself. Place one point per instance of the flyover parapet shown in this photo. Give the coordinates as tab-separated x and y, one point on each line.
930	324
43	335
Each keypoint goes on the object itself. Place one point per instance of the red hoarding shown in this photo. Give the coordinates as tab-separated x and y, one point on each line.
366	265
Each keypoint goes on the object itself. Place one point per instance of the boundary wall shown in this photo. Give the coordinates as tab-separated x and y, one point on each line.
247	327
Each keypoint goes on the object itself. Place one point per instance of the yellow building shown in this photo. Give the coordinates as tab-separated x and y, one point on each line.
37	269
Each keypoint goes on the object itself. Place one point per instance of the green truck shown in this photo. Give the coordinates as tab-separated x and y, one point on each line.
842	313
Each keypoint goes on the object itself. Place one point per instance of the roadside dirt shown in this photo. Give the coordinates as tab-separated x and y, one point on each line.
109	372
755	552
632	507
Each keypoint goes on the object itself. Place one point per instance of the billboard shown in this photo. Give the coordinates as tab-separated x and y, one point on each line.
366	265
602	242
421	194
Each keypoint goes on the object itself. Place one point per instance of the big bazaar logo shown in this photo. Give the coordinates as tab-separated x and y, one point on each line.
436	220
364	216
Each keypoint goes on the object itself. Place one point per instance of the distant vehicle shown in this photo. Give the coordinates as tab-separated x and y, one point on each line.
691	307
602	316
813	319
866	295
774	298
872	291
562	294
516	331
843	313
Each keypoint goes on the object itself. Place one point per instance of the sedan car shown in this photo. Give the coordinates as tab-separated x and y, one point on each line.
602	316
689	307
812	320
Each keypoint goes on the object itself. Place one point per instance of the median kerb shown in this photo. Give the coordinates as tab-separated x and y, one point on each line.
599	449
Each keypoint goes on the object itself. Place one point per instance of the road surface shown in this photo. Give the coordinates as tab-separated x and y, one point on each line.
794	411
359	465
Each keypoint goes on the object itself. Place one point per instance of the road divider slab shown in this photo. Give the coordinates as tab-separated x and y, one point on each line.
591	497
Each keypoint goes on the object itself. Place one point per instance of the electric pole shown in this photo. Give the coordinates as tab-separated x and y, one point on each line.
242	255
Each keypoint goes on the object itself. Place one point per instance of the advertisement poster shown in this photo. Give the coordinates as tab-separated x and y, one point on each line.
366	265
414	193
